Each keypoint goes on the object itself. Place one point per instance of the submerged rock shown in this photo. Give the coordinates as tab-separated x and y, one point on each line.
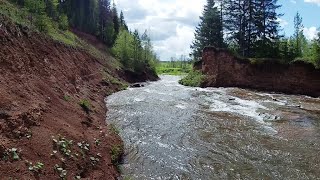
136	85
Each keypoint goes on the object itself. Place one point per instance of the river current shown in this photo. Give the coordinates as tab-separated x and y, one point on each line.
175	132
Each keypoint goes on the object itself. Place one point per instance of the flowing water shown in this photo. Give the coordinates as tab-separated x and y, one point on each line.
176	132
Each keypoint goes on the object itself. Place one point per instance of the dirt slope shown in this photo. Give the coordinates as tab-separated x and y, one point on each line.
41	85
222	69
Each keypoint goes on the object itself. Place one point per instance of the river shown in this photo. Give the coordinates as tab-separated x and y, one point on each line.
175	132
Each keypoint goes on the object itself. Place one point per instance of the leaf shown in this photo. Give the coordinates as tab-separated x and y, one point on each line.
15	156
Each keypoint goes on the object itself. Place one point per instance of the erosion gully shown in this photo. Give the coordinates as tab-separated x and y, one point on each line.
176	132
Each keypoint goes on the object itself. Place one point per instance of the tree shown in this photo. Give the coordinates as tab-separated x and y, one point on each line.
266	28
138	63
123	48
106	33
298	34
314	52
209	31
115	20
37	14
252	26
147	46
63	22
122	21
51	8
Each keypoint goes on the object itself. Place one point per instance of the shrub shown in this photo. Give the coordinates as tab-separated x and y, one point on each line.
63	22
194	79
85	104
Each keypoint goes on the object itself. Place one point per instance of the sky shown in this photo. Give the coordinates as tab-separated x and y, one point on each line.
171	23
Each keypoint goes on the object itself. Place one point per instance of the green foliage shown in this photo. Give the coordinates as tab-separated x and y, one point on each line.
85	104
16	14
63	22
35	7
210	30
193	79
63	145
66	97
37	168
114	129
42	23
123	48
115	154
135	52
11	154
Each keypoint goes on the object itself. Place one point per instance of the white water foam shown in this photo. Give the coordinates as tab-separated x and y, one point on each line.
239	106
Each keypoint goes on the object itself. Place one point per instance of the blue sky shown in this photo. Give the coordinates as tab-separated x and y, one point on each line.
171	23
309	11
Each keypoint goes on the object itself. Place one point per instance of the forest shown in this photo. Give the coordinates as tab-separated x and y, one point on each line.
99	18
251	29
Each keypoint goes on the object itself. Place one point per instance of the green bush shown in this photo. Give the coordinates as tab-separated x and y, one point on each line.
194	79
85	104
63	22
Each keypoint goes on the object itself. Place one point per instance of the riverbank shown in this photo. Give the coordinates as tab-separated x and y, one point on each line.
52	113
222	69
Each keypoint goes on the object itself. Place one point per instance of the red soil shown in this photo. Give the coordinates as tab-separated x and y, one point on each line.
222	69
41	85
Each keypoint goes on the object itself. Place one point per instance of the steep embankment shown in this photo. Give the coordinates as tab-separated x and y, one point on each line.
42	85
222	69
146	75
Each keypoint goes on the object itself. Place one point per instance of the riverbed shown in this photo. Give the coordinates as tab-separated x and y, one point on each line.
175	132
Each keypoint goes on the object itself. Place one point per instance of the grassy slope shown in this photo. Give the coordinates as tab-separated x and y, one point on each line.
19	15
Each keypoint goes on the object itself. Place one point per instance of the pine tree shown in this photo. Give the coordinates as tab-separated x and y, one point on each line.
210	31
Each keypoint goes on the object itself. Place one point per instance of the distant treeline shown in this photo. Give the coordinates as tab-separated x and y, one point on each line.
250	28
98	18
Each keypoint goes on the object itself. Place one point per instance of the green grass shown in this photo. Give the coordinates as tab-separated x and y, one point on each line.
173	68
115	154
193	79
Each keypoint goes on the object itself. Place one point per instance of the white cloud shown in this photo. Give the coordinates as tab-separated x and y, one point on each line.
313	1
171	22
293	1
310	33
282	22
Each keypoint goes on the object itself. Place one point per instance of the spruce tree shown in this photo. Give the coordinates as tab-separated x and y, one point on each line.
123	22
252	26
116	21
209	31
266	28
298	34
